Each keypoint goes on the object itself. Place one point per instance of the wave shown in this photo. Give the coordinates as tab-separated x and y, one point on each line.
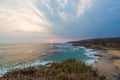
60	52
24	65
91	53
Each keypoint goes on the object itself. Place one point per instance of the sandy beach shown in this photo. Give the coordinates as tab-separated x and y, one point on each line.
109	64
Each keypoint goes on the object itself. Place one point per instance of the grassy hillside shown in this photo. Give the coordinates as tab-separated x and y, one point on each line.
102	43
68	70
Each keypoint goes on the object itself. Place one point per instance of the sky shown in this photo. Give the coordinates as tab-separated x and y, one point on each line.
43	21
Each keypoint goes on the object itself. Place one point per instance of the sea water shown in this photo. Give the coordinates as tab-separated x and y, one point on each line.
14	56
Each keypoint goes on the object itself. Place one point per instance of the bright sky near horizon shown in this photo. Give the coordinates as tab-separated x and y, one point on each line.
29	21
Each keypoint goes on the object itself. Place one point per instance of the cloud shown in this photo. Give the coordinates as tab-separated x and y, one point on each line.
24	16
67	10
83	6
45	19
38	17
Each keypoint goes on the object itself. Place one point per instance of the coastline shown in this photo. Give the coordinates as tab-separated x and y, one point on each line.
109	53
109	63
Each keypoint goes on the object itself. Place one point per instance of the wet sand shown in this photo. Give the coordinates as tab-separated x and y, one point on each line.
109	64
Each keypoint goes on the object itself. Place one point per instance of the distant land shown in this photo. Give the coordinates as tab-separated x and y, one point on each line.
100	43
109	54
106	68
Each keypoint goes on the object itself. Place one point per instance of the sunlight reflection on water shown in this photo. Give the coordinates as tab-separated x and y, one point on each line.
23	55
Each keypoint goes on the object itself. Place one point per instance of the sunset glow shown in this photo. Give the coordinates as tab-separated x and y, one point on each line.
51	41
45	21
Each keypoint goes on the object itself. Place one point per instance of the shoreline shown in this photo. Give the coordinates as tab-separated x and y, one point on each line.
108	63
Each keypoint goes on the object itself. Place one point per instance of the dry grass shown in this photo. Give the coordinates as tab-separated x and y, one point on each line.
113	52
68	70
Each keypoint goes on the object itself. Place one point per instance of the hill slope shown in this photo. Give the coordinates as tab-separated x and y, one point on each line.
102	43
68	70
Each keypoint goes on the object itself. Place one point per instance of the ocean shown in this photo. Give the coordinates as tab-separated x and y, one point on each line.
14	56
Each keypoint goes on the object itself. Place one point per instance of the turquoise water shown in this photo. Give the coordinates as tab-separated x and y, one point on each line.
23	55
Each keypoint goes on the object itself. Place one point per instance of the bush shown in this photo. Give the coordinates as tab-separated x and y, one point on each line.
68	70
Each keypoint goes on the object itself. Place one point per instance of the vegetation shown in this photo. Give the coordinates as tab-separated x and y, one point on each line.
68	70
102	43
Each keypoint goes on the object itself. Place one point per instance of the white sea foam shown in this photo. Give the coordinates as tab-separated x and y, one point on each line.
91	61
91	53
21	66
62	49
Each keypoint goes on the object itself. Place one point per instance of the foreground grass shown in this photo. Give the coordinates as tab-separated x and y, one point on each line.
68	70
